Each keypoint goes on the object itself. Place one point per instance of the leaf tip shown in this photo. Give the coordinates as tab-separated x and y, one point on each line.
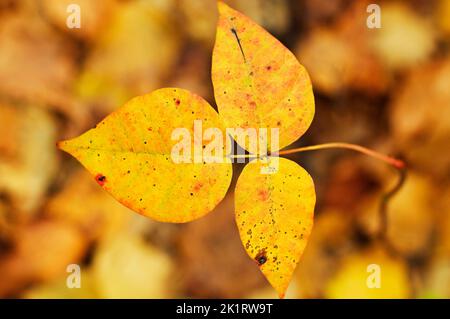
222	7
280	289
61	145
65	146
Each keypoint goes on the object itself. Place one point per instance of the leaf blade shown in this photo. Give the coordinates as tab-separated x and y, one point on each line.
257	81
275	217
129	153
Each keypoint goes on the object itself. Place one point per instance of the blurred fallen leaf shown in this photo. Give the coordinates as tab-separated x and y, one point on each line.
329	242
127	267
339	57
93	16
443	16
200	16
410	216
37	64
405	38
48	247
83	203
41	252
137	49
28	158
437	279
420	118
57	289
316	12
351	278
213	243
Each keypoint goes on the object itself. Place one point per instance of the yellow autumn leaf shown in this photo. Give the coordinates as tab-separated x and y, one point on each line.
258	82
129	153
274	214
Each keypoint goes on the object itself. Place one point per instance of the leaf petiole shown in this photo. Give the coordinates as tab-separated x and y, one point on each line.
364	150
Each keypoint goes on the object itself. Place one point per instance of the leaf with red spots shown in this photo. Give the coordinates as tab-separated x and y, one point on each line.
130	155
274	214
258	82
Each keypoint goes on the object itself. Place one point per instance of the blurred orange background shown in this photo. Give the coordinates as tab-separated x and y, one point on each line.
385	88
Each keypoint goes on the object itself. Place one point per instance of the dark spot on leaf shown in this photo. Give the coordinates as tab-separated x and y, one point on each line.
101	179
261	257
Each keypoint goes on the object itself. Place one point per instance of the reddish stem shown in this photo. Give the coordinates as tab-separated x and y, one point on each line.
387	159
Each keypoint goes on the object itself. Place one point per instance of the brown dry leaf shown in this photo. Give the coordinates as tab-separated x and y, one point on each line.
137	49
339	58
420	118
83	203
37	64
351	279
127	267
214	261
193	73
349	181
41	252
48	247
28	158
316	12
93	16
